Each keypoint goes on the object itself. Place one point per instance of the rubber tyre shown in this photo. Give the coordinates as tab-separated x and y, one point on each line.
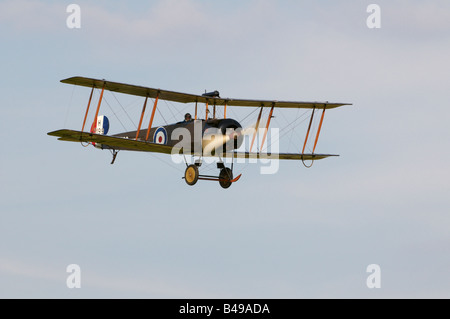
225	176
191	175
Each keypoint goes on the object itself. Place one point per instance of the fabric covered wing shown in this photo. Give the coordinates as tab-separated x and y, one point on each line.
192	98
117	143
281	156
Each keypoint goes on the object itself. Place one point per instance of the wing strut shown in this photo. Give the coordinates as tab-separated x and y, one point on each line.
98	106
320	127
87	109
267	127
256	129
142	117
309	128
317	134
195	109
153	115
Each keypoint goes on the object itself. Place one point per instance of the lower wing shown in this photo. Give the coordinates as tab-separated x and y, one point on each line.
120	143
117	143
281	156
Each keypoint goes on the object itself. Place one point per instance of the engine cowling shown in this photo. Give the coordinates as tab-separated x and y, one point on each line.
222	135
233	129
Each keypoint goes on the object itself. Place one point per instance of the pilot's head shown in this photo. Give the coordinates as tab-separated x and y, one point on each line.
187	117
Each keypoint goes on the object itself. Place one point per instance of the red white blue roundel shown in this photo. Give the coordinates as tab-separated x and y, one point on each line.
160	136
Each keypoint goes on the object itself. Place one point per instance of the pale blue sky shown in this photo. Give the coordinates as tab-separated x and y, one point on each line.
137	230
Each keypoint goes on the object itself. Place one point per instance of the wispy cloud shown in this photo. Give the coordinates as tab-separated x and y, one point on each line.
18	268
422	20
97	283
31	16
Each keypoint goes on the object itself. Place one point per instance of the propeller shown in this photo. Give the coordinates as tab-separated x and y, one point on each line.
220	139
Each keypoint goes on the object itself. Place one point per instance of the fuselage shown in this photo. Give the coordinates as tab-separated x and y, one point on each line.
196	134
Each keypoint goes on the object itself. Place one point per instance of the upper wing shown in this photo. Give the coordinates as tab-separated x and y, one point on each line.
117	143
192	98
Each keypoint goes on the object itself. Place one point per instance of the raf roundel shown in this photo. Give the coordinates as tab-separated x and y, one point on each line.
160	136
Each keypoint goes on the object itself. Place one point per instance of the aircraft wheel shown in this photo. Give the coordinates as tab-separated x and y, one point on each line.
191	175
225	176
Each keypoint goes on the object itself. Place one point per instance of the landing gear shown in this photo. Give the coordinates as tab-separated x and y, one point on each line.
225	177
191	175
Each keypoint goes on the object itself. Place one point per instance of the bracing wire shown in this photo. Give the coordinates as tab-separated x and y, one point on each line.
166	162
162	116
170	110
294	125
292	132
118	119
256	109
179	111
290	127
112	93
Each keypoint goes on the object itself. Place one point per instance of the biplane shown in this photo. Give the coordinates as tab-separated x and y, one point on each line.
207	137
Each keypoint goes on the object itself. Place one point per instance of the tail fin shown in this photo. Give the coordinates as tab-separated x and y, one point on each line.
101	126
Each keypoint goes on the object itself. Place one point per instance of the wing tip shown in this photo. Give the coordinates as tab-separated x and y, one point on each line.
67	80
54	133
